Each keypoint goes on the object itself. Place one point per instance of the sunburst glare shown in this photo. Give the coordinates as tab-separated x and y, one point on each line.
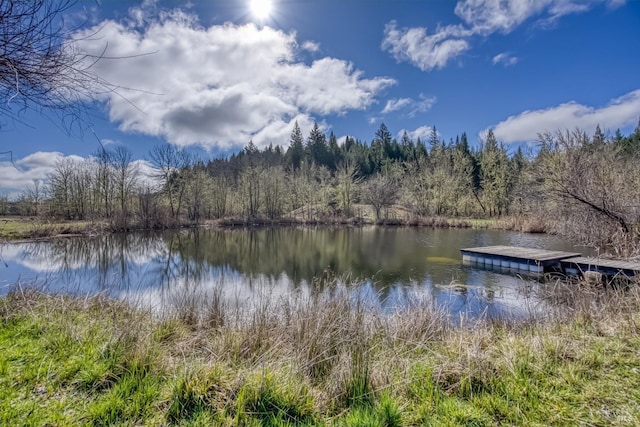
261	9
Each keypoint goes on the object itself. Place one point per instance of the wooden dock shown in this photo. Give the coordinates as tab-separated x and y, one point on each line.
608	267
526	260
538	261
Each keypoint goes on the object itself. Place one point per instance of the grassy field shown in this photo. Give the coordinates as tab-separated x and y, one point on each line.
27	228
318	360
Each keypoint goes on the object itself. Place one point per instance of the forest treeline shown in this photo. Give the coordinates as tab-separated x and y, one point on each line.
580	185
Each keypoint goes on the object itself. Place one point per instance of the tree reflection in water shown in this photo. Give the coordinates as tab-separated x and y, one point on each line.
389	266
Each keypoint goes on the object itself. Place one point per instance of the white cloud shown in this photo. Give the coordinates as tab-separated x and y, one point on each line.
481	18
396	104
423	132
279	131
38	166
147	174
15	177
524	127
219	86
488	16
41	160
505	59
567	8
425	51
613	4
311	46
414	107
342	140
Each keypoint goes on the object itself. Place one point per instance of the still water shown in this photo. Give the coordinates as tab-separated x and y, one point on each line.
388	266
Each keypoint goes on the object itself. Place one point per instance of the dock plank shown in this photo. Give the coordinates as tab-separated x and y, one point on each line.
539	255
604	263
540	260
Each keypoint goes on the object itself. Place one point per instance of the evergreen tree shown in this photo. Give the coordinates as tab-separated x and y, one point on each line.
463	171
598	138
334	155
251	149
383	135
618	137
376	155
295	154
390	150
434	141
495	176
407	148
518	161
420	154
317	149
630	146
348	143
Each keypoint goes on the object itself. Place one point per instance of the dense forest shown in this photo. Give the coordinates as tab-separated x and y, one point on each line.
580	185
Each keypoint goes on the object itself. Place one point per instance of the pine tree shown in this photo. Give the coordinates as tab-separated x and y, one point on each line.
295	154
420	154
495	176
317	146
598	138
383	135
407	148
632	143
348	143
334	154
464	170
434	141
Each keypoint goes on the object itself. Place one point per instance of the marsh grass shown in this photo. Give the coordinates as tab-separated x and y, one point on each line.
325	358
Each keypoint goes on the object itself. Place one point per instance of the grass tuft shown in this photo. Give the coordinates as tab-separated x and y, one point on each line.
275	401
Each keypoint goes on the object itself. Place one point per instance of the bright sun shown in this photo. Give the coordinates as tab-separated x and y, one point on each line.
261	9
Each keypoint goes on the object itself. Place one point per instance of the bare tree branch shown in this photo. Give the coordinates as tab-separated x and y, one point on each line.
41	67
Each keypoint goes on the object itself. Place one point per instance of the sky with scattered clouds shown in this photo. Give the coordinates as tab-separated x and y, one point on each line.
212	76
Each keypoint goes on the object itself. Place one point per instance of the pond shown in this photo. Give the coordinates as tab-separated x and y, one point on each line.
388	266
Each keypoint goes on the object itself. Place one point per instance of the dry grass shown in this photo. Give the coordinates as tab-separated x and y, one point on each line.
19	228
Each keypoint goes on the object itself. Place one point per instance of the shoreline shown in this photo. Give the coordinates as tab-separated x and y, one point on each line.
19	229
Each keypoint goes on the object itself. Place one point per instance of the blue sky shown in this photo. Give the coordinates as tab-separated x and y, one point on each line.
211	75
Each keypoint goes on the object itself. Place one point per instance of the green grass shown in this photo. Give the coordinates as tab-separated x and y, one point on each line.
66	361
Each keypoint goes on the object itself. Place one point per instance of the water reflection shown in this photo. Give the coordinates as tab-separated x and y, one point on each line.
392	265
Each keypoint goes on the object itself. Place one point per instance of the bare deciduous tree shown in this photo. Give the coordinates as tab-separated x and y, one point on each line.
34	193
104	182
4	204
148	210
197	194
126	177
219	194
380	192
172	166
593	187
347	181
40	68
250	190
274	192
